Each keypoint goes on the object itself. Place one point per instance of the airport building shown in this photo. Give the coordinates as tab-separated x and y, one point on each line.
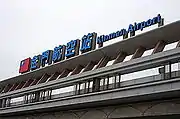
83	79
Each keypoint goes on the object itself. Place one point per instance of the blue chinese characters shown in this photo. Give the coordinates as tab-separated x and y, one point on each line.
72	48
35	62
46	58
88	42
58	53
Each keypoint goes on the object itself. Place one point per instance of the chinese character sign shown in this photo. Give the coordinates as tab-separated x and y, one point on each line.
35	62
46	58
88	42
58	53
72	48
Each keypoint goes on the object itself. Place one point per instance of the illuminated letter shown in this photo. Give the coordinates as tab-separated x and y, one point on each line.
131	28
58	53
88	42
35	62
46	58
72	48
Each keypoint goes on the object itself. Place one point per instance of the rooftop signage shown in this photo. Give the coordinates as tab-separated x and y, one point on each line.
87	43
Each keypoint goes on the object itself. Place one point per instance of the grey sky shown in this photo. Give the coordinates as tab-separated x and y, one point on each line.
29	27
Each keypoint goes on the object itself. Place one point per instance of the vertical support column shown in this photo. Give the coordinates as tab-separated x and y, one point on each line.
48	94
26	98
118	77
165	71
31	97
1	103
85	87
162	72
107	86
88	88
178	68
159	47
115	81
42	95
75	89
178	45
96	84
4	102
8	102
104	83
37	96
79	88
168	70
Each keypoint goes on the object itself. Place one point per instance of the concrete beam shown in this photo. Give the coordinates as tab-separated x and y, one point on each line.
20	85
159	47
43	78
64	73
35	81
53	76
99	62
1	89
168	33
102	63
138	53
178	44
27	84
13	87
166	89
6	88
144	63
77	69
120	57
89	66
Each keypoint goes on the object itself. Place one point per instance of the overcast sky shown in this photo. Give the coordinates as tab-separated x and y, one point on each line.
29	27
